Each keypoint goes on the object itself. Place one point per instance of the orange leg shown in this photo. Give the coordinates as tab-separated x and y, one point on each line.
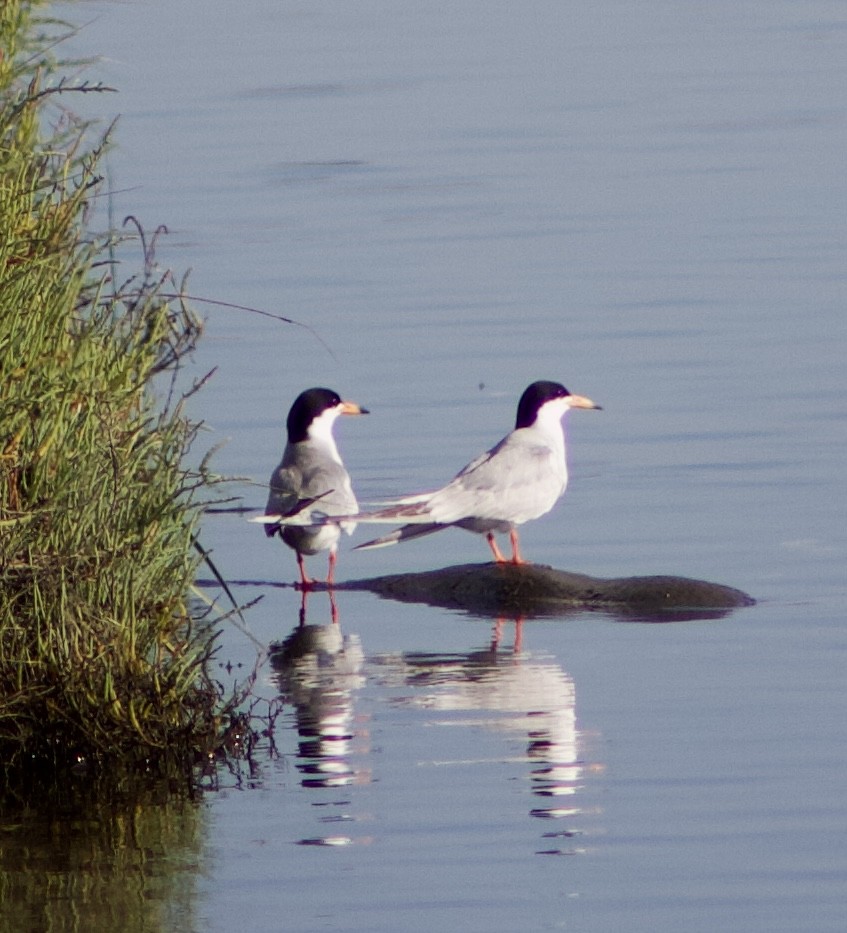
304	595
306	582
330	576
518	635
497	634
333	608
516	551
492	543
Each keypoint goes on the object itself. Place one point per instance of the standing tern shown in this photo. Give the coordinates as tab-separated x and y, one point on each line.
311	481
519	479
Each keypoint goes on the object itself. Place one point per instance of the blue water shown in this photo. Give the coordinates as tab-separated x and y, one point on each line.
645	201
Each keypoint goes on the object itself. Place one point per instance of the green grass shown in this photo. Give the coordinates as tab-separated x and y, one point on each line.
101	655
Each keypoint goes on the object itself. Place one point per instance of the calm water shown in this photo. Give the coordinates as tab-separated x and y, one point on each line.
645	201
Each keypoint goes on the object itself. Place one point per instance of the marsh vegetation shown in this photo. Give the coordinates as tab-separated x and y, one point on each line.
104	657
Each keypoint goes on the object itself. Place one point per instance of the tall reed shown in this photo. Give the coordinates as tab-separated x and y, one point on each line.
101	655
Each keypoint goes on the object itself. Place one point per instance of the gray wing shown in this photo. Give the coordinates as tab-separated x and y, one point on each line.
286	494
514	482
518	480
318	488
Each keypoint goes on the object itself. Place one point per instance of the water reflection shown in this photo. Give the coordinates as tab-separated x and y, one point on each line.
528	698
97	860
318	669
532	698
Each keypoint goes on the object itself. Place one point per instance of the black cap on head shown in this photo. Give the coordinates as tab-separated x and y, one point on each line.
307	406
534	397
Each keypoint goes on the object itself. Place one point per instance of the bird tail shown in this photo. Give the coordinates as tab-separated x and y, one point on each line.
412	512
416	499
401	534
297	515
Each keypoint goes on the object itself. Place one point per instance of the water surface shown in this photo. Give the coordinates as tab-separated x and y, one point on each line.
645	201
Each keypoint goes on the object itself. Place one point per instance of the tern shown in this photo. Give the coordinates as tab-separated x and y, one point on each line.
519	479
311	481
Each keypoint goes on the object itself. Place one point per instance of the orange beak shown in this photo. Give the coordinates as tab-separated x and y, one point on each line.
580	401
351	408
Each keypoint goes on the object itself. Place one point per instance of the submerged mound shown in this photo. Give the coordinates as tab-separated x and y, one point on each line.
529	590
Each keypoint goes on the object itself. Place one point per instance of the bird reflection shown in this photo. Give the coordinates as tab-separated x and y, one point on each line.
318	669
532	697
304	601
497	634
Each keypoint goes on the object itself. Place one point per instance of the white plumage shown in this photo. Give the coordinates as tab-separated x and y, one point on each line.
519	479
311	481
